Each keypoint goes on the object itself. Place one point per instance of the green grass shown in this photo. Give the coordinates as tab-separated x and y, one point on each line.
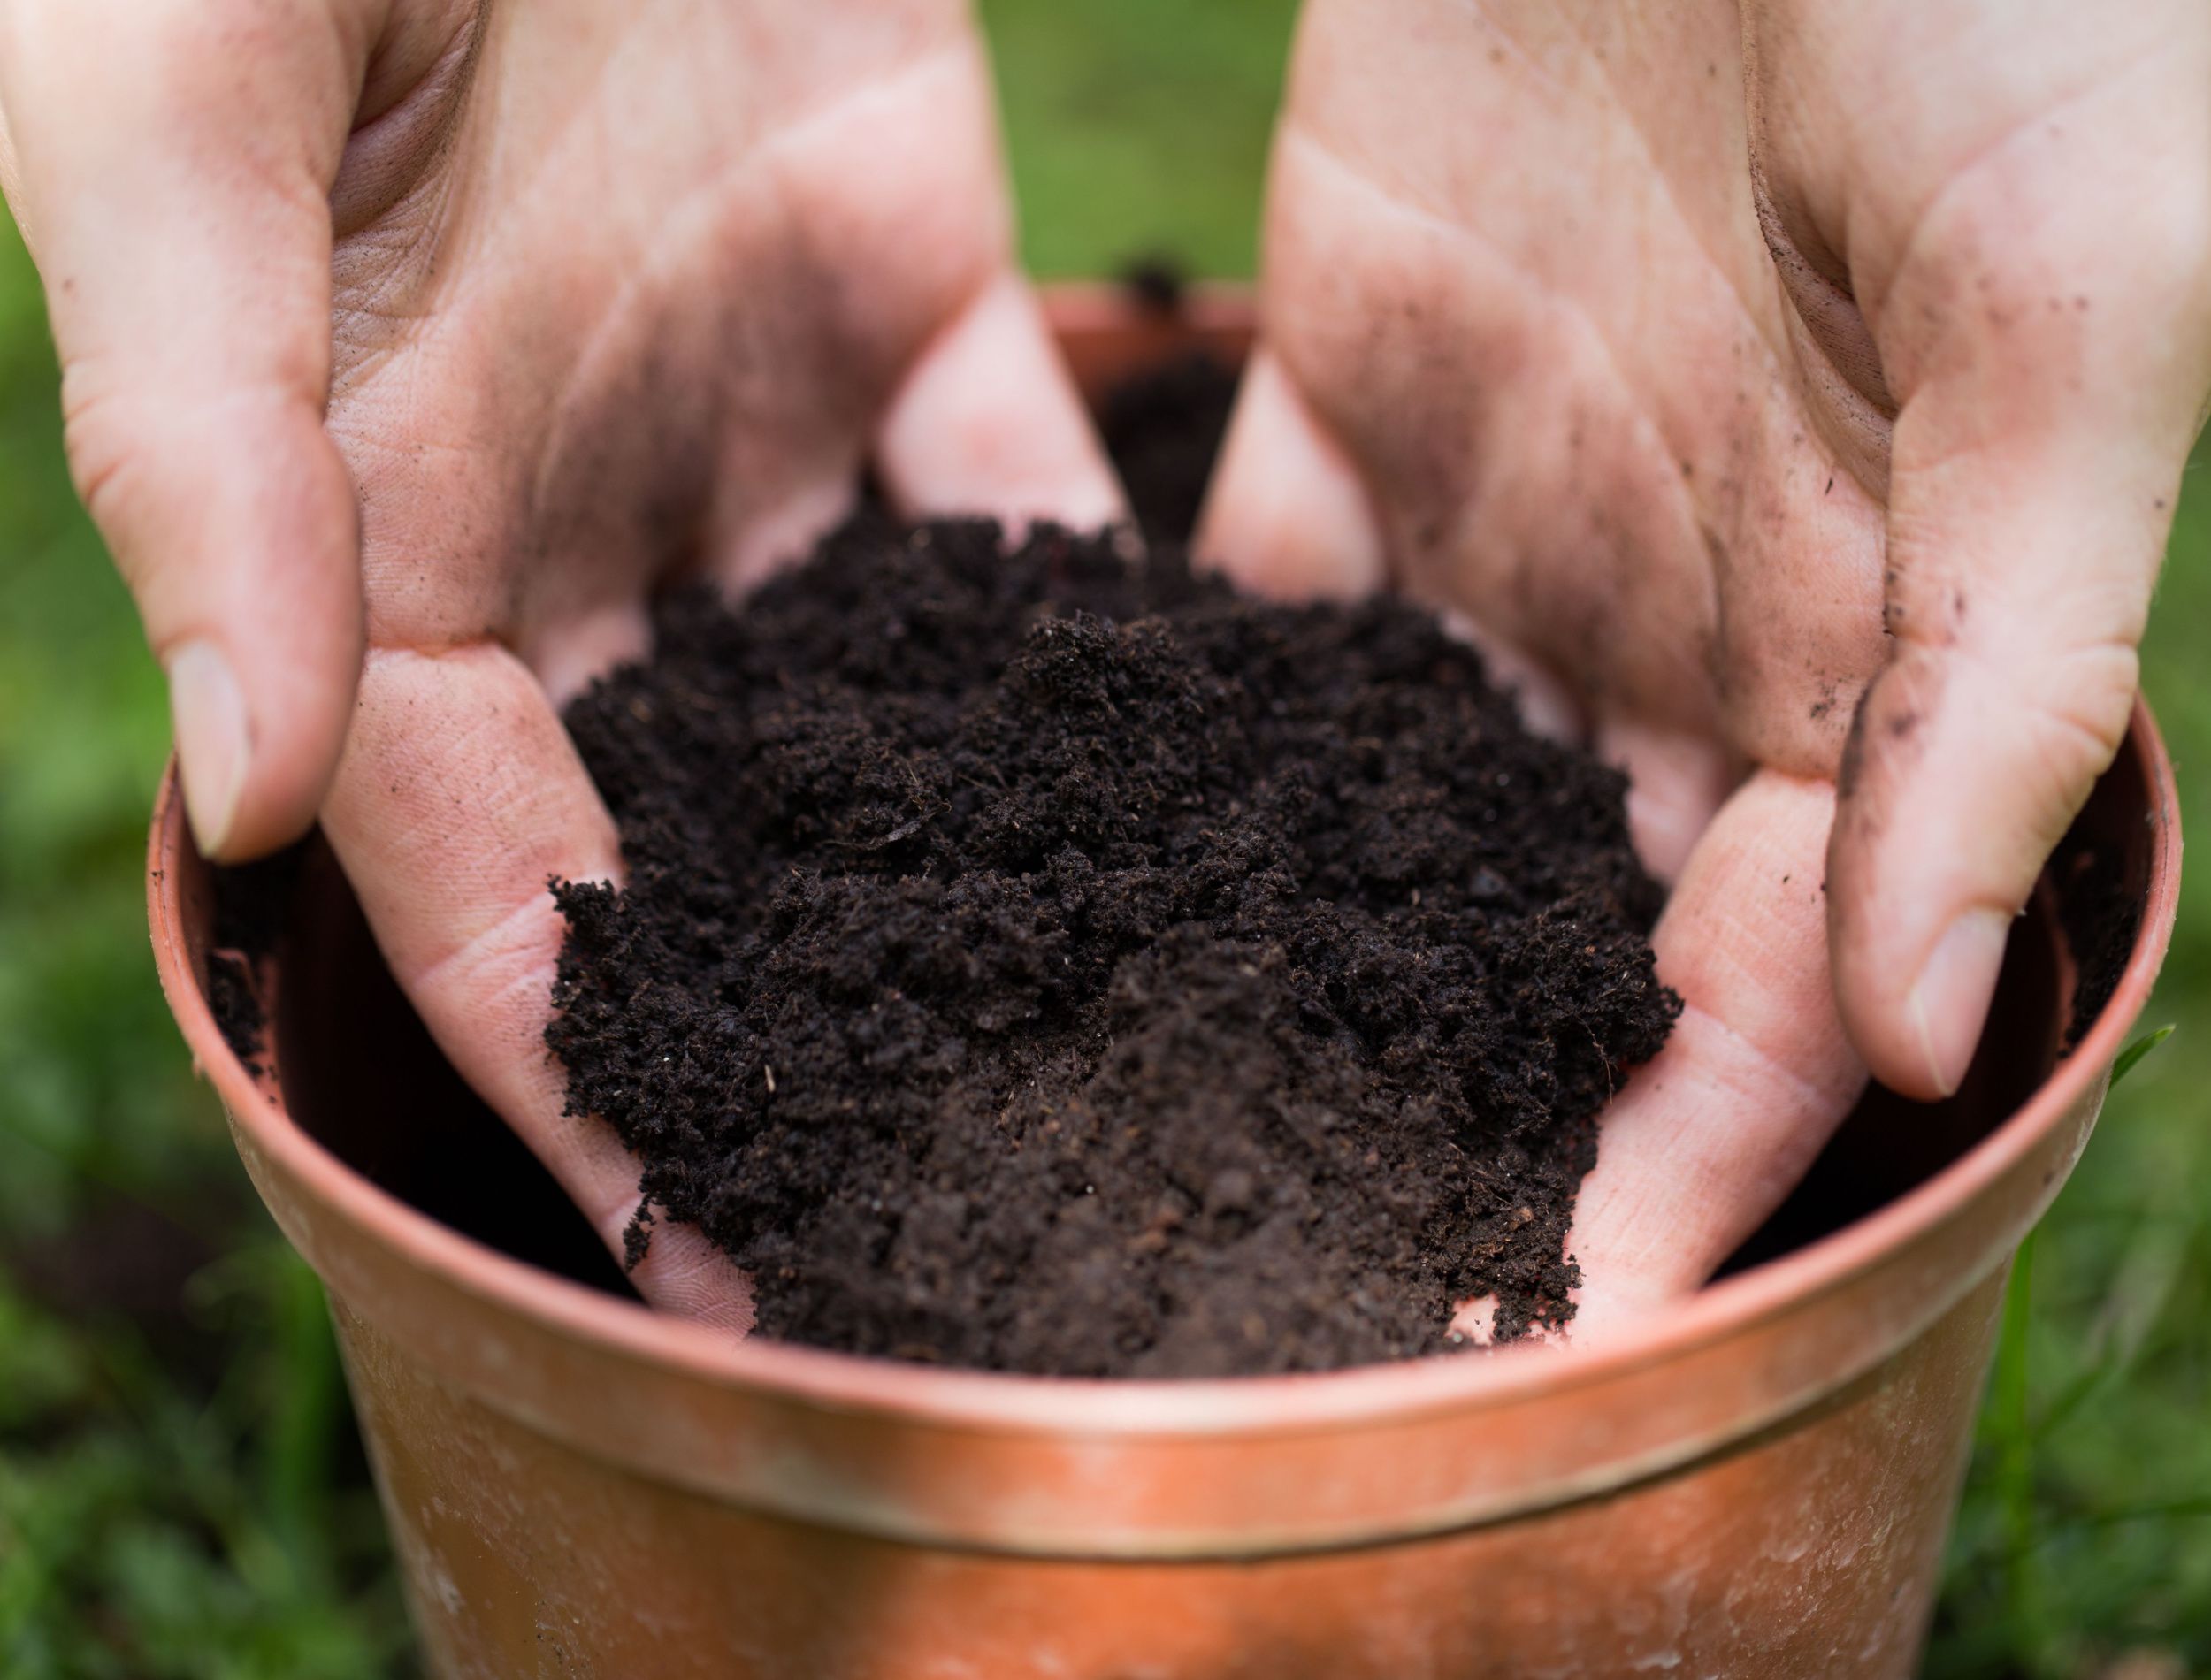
1139	126
172	1501
2086	1529
179	1491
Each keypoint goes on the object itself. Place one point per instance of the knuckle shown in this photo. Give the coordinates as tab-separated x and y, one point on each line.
2066	727
104	438
2088	697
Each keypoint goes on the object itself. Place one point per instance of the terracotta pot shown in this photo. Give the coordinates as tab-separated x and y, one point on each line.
1758	1482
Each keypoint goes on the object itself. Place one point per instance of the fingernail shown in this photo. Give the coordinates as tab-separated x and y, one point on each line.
1950	1005
208	710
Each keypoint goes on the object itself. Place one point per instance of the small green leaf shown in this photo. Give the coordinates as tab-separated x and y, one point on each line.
2138	1049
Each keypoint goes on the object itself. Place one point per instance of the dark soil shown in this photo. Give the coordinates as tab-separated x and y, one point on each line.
251	901
1163	429
1043	963
2101	912
1163	426
1157	281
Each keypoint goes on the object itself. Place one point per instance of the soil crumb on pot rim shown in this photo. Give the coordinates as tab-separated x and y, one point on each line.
1039	962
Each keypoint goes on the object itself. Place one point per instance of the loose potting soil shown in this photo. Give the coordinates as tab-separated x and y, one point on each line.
1053	961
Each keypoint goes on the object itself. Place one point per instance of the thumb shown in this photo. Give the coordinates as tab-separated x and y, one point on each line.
1286	513
2035	462
170	167
990	422
2007	693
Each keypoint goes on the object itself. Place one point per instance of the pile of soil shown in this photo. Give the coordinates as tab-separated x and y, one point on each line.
1051	962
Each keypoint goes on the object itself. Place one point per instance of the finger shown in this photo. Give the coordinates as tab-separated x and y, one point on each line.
1677	782
12	174
988	421
2046	419
572	654
1546	705
459	797
1719	1128
174	163
1287	515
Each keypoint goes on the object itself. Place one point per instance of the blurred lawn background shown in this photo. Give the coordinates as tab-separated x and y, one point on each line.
181	1493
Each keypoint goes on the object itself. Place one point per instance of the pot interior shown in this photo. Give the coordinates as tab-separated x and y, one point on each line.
362	1075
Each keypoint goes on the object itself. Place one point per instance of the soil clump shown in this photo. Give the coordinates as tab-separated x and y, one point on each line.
1053	962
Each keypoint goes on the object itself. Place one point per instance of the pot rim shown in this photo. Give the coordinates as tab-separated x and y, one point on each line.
1094	1408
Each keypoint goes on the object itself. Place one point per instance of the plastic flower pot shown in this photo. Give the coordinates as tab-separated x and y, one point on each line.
1756	1483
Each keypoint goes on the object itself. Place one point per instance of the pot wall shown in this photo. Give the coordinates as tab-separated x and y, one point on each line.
1813	1550
1758	1483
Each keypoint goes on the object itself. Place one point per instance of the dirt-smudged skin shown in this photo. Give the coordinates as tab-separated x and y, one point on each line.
1038	963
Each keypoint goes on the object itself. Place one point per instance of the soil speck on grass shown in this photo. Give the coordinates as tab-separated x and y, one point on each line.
1155	982
1156	281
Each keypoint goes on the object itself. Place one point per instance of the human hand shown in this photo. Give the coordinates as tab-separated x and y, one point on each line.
415	341
1783	388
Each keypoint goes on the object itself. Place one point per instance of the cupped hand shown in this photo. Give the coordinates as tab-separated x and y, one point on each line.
408	344
1793	396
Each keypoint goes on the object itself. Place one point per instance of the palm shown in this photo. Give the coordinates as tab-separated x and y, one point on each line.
1517	266
644	308
632	293
1567	381
1694	353
565	300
